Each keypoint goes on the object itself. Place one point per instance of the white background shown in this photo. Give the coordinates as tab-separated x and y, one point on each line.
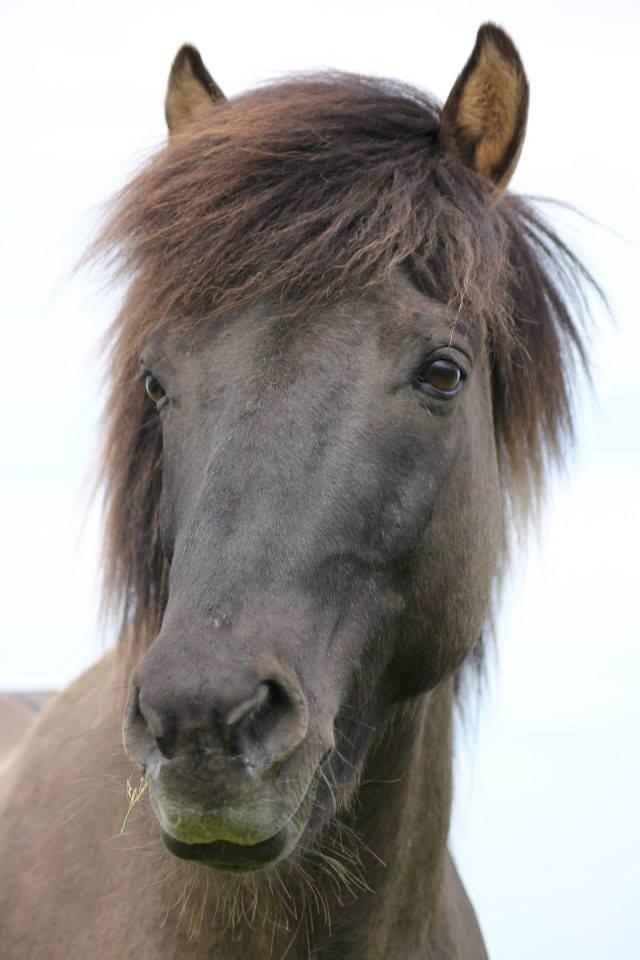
546	824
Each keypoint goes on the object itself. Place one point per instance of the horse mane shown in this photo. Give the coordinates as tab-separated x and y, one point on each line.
308	191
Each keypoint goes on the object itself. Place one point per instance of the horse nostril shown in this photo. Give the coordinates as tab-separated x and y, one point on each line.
267	726
167	743
261	728
277	704
248	707
161	726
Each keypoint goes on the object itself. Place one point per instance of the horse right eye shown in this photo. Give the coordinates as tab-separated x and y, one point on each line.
442	377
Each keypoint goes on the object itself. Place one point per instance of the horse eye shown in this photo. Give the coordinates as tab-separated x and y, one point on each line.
155	391
442	377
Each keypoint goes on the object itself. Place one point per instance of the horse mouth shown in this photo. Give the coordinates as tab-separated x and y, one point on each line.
231	857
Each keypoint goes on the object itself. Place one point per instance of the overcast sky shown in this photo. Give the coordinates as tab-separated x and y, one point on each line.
546	827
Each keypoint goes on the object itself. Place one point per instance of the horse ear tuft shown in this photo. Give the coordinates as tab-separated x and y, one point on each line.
484	119
190	89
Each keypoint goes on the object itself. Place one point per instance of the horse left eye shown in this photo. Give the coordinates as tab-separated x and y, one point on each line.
155	391
441	377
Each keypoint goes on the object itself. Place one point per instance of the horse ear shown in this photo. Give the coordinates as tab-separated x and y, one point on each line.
484	119
190	89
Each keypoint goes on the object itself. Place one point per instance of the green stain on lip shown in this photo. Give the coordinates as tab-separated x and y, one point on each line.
236	826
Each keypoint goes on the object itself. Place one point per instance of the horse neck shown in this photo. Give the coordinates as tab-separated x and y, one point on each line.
402	816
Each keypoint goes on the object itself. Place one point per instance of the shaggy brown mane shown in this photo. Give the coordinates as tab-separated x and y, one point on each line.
308	191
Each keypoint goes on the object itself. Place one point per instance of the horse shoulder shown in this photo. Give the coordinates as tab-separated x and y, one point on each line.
17	712
62	798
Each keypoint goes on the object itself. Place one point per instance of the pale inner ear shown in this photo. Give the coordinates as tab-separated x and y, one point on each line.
191	90
489	111
484	119
184	97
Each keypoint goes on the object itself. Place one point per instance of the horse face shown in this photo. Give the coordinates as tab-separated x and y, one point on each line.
331	513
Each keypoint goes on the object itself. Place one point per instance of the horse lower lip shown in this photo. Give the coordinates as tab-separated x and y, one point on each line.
230	856
237	857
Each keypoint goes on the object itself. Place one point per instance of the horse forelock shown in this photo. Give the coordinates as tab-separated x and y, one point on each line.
309	191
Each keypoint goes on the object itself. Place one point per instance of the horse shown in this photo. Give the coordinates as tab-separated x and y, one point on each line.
339	379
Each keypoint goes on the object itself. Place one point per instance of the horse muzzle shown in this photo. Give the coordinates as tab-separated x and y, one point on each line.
231	760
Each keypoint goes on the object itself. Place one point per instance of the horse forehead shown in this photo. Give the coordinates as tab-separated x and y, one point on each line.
270	342
271	350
